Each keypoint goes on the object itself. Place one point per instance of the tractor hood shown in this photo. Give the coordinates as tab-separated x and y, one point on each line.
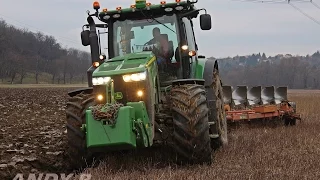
129	63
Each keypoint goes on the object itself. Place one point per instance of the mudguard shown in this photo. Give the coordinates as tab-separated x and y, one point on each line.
210	65
87	90
209	68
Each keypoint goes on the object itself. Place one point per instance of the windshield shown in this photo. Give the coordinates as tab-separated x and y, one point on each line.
132	36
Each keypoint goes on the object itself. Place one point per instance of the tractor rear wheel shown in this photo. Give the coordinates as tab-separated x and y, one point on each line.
191	138
75	112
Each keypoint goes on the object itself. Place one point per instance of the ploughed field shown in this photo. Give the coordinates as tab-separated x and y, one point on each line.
32	140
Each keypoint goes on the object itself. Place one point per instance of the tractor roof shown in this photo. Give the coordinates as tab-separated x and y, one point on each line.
142	8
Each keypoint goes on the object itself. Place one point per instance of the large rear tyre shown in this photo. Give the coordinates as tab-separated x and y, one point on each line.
78	154
191	138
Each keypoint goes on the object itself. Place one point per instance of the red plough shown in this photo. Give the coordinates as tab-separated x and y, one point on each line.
259	104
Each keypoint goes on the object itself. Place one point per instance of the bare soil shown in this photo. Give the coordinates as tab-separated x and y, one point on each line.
32	130
32	139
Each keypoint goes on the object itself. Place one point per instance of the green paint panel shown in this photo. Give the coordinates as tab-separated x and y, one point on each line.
142	6
142	115
119	136
200	68
199	71
129	63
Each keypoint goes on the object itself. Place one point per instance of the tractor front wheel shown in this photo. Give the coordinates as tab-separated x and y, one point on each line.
75	112
191	138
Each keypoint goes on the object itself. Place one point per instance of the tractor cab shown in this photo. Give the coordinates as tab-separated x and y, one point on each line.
165	29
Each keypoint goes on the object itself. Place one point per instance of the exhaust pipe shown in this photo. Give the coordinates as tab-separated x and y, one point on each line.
227	94
267	95
94	47
281	94
94	44
254	95
239	95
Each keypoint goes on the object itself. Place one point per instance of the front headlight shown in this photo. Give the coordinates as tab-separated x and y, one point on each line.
135	77
100	80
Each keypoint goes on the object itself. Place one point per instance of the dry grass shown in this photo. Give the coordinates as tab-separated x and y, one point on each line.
253	153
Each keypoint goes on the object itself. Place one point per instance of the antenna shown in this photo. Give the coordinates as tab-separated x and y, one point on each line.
99	42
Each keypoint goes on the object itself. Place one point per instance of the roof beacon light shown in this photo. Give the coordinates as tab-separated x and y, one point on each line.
118	8
163	3
133	7
105	10
178	1
148	4
96	5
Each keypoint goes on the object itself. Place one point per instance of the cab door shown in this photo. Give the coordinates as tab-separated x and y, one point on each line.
190	40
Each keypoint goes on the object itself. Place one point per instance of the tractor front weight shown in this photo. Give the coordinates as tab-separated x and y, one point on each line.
113	126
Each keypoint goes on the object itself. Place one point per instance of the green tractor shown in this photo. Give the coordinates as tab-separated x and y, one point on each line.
152	88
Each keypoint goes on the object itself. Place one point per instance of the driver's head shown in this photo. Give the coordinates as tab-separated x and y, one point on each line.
156	32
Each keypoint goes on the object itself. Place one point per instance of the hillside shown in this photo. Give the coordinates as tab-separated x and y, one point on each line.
28	57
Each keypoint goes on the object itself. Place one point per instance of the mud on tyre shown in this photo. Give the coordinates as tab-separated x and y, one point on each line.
217	114
190	121
75	113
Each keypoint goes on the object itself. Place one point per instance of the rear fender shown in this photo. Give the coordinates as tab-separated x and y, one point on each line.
188	81
209	68
87	90
182	82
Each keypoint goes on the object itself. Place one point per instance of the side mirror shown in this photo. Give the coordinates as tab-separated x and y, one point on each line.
85	38
205	21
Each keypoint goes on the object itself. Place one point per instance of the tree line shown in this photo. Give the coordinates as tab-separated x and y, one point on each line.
27	55
295	72
24	54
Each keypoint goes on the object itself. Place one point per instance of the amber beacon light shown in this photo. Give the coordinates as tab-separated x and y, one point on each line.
96	5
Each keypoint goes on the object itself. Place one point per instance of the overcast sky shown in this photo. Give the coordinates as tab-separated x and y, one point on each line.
239	28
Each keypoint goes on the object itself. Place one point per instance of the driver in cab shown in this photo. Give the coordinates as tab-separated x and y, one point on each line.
162	49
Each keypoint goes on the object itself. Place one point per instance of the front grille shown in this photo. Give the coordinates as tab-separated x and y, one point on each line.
128	90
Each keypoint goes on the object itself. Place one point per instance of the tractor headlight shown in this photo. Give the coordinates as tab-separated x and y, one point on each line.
100	80
135	77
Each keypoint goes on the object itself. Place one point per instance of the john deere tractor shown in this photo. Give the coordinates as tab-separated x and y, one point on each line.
152	88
